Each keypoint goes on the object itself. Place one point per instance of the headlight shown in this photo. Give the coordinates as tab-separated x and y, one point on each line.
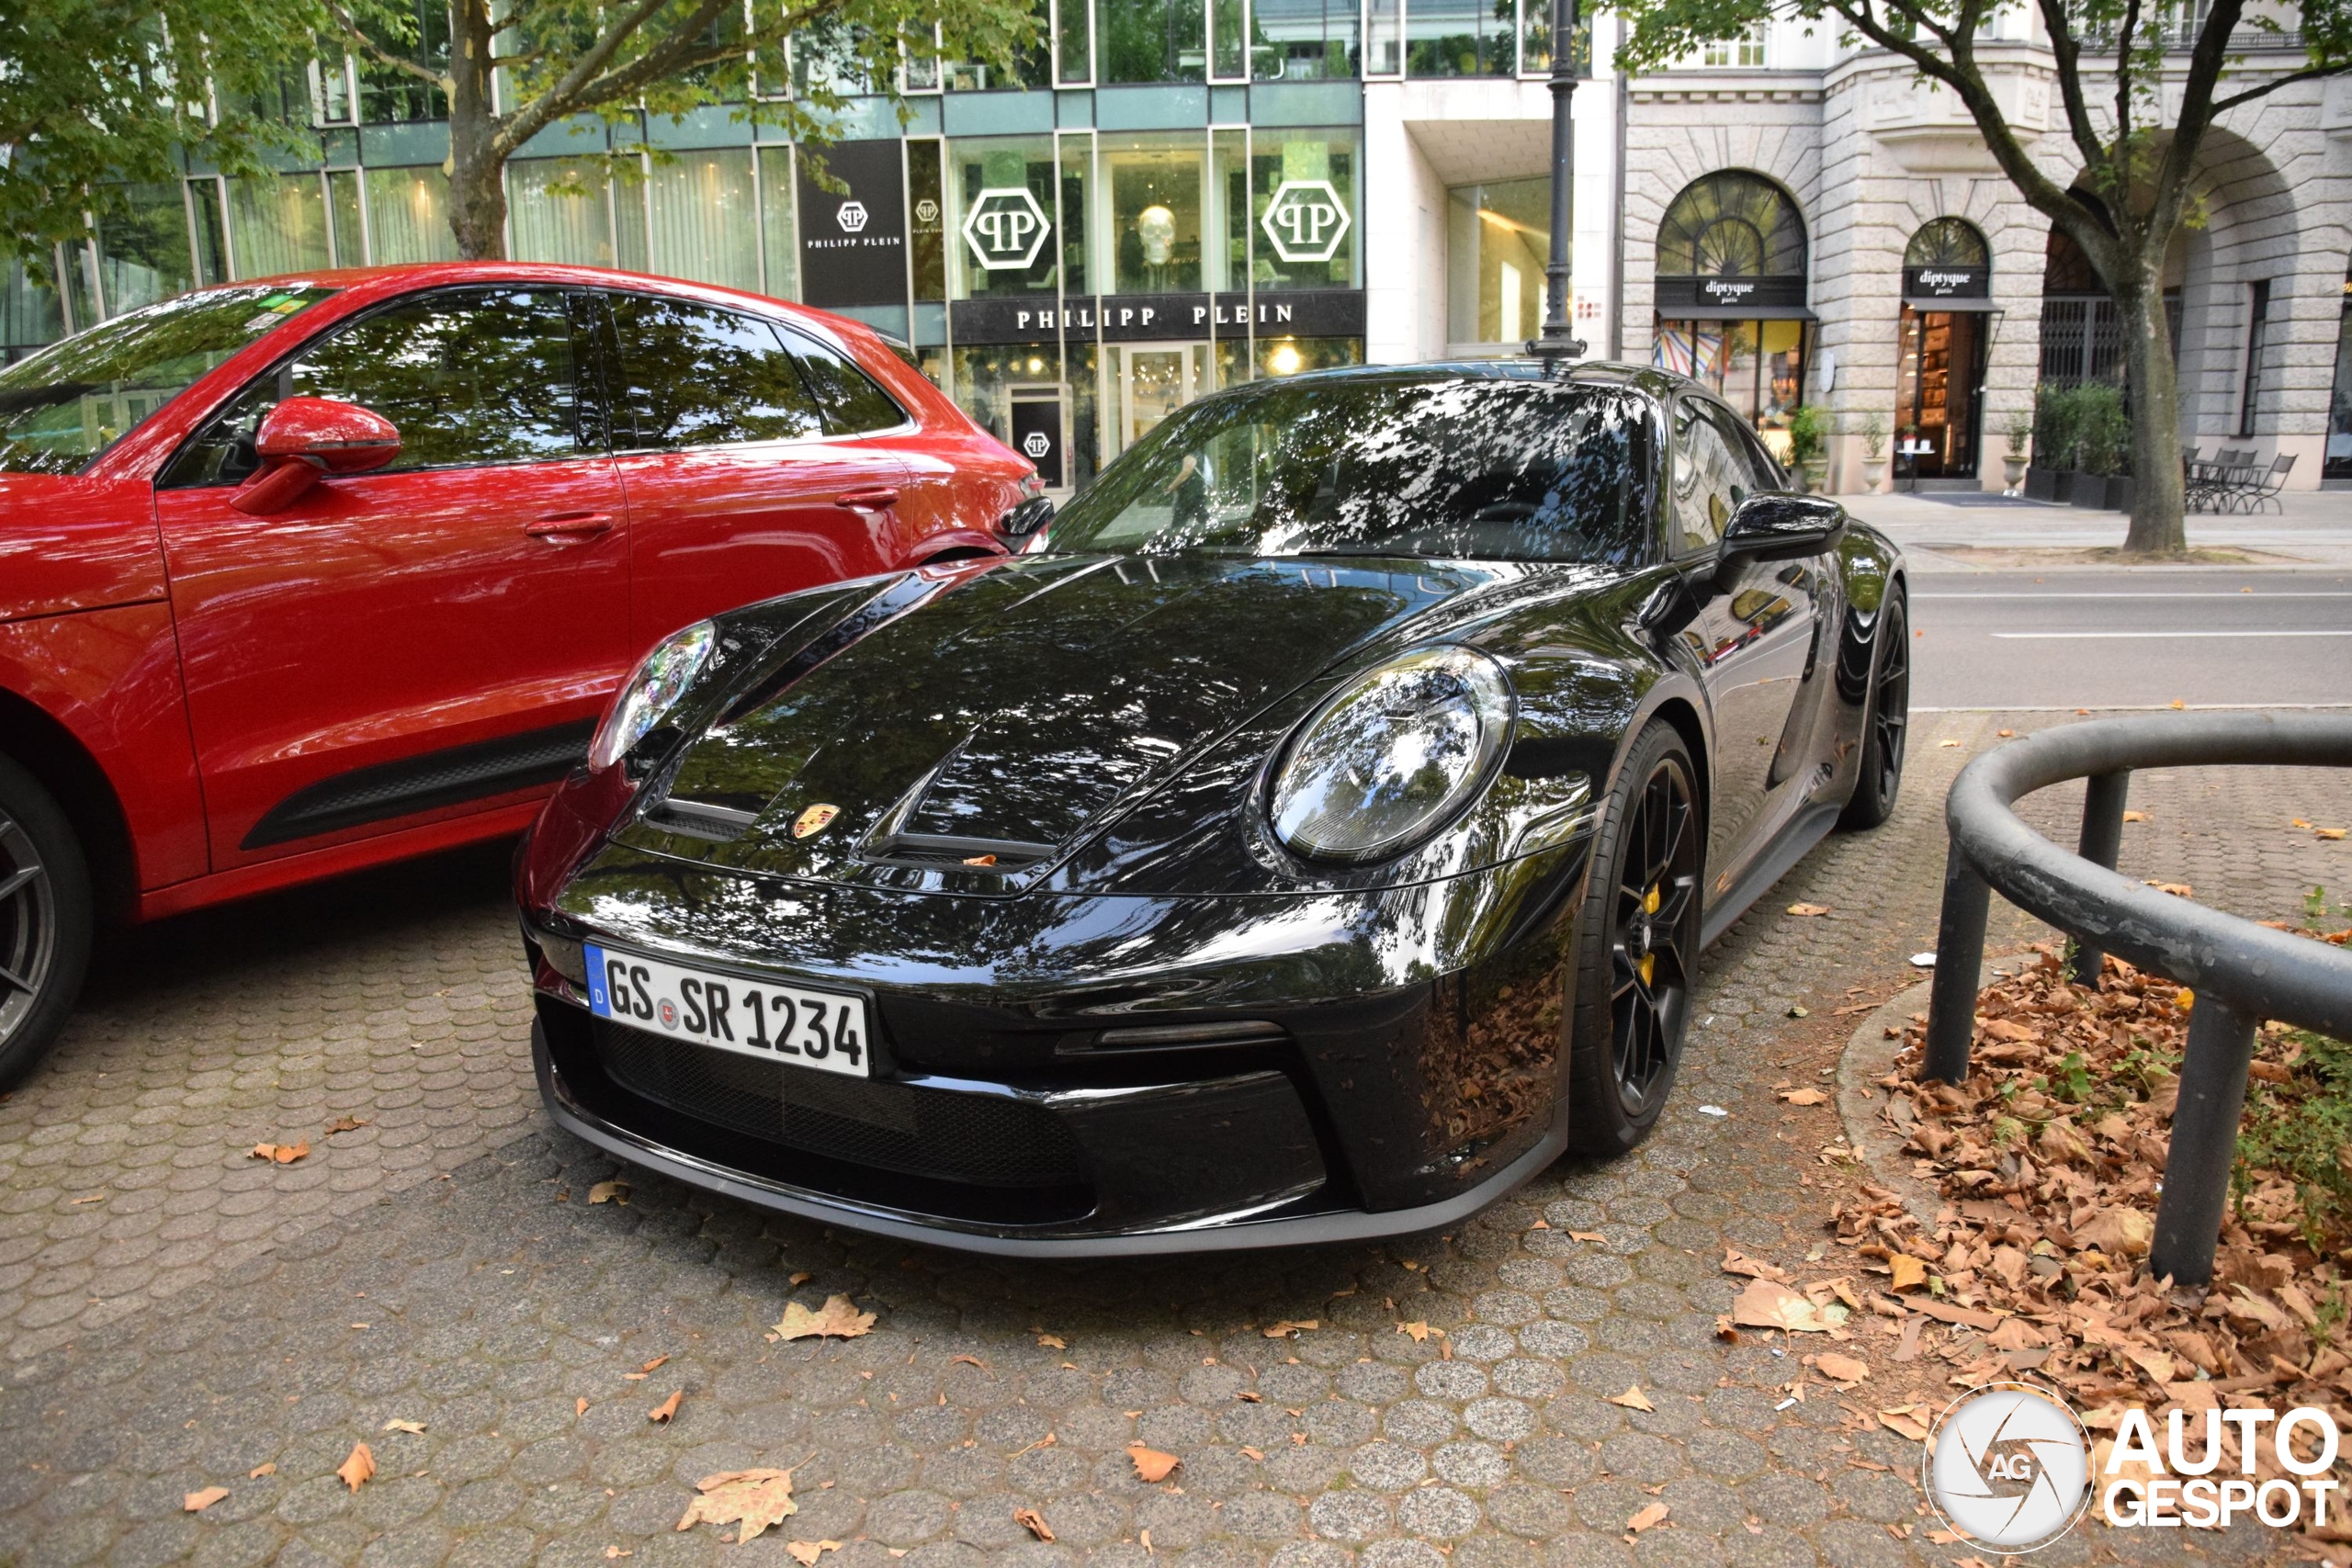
1390	756
651	690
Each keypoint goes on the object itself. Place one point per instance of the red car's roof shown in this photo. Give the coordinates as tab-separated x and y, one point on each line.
425	275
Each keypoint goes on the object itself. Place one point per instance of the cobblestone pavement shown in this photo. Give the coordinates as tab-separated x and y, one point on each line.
180	1315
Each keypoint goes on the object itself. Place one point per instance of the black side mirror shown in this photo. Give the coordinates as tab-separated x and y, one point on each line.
1780	525
1028	517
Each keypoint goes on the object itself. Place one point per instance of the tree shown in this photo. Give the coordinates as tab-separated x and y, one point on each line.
513	68
2136	115
99	95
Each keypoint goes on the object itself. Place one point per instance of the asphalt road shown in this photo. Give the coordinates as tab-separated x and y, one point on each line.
2101	638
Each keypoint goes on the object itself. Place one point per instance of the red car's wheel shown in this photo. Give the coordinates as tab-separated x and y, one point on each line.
44	921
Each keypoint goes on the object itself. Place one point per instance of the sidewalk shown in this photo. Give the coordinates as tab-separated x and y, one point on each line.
2314	530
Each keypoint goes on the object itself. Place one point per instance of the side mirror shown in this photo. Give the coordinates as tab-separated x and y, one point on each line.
1780	525
1026	518
302	439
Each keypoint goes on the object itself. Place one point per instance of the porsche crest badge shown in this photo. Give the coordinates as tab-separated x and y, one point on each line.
813	821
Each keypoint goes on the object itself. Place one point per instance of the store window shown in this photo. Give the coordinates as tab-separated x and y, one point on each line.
30	314
143	251
1746	51
1152	193
277	223
2257	341
779	230
1730	296
702	220
560	210
1000	217
1461	38
1151	40
928	233
1498	240
1032	66
1279	357
408	217
1302	41
2339	417
1305	207
1940	362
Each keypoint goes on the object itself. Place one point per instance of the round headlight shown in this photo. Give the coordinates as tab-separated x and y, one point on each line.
651	690
1391	755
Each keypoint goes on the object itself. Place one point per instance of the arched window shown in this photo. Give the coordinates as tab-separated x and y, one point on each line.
1948	242
1731	224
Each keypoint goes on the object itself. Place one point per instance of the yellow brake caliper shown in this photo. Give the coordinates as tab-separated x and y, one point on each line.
1650	902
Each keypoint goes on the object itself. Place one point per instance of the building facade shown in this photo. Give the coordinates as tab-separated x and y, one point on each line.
1172	196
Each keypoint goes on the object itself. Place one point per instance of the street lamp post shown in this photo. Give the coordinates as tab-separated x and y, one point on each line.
1557	346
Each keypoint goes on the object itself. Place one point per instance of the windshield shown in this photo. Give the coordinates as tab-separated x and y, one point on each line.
64	406
1472	468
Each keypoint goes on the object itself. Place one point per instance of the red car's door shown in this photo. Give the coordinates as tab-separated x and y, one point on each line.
428	639
736	492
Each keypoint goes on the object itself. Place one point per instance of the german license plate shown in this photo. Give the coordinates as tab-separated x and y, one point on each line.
823	1029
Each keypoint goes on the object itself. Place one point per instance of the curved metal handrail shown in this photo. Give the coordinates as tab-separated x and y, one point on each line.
2241	973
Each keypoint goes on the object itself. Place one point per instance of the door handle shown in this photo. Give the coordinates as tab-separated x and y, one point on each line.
879	499
570	527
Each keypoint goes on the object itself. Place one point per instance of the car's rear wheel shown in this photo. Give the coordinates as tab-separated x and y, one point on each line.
45	921
1879	776
1637	947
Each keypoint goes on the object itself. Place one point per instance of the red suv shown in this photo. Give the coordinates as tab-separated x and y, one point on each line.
304	575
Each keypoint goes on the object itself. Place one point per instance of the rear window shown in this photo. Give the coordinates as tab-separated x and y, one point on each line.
63	407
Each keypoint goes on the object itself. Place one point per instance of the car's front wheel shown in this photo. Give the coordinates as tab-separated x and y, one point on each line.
1879	772
1637	947
45	921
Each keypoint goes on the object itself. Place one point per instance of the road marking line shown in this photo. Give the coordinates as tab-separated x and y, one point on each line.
2045	637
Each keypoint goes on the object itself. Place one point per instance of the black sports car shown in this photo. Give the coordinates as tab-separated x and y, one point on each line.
1310	837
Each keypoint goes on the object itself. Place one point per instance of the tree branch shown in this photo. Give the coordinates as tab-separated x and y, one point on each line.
346	24
2196	110
2069	48
2123	73
565	96
2252	95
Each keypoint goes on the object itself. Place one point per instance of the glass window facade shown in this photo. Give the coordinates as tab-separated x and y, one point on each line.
1151	40
1000	220
1498	240
702	219
277	223
1756	366
408	217
1306	201
1152	197
1462	38
1303	40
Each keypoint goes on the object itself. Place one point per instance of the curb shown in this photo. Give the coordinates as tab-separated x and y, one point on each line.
1870	1056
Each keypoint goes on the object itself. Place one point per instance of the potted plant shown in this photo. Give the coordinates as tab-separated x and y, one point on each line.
1808	435
2056	420
2013	461
2102	448
1873	451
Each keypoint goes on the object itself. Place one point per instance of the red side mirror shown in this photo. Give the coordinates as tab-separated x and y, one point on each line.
303	438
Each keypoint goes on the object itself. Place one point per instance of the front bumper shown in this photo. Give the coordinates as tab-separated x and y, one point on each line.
1295	1221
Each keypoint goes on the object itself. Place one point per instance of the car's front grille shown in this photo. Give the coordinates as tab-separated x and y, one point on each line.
938	1133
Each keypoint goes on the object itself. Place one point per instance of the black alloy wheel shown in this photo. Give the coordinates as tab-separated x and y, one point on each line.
44	921
1637	948
1879	774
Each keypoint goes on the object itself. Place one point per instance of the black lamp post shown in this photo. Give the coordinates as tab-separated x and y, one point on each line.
1558	345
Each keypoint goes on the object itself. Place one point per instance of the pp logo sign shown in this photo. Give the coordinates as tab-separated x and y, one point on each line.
926	211
1005	229
1036	444
851	216
1306	220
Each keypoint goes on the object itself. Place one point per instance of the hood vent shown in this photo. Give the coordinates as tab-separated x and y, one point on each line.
701	819
949	849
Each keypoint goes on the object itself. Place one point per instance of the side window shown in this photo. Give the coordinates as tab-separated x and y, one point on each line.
1764	474
1709	479
692	374
852	403
468	378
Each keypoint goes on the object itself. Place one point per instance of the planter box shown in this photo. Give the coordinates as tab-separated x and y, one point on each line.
2049	484
2103	492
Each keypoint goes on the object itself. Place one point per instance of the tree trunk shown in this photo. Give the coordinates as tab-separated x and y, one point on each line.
2153	385
476	169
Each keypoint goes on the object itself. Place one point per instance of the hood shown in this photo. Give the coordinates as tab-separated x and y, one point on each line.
1008	713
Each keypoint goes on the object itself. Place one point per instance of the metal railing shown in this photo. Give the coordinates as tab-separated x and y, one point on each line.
2240	972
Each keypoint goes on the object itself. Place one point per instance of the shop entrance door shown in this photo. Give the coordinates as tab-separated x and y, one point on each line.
1939	388
1154	380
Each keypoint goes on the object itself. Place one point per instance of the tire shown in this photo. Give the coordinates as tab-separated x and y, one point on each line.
1878	776
1637	954
45	921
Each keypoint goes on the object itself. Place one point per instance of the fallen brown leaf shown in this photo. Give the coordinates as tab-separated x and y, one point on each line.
1418	1332
1150	1463
653	1363
1841	1368
1904	1421
345	1124
580	1407
2135	816
754	1500
1034	1523
1910	1273
1053	1342
1767	1303
282	1154
1656	1513
197	1502
414	1428
1738	1262
806	1552
662	1413
837	1319
2329	834
801	1277
968	1359
268	1467
1808	909
358	1468
1587	1235
1806	1096
1286	1327
1633	1399
609	1192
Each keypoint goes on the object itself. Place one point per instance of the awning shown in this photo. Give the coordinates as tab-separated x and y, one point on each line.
1734	313
1924	302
